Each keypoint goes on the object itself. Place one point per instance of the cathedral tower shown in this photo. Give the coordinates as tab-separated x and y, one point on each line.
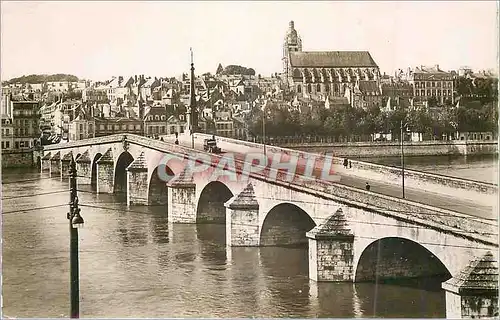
291	43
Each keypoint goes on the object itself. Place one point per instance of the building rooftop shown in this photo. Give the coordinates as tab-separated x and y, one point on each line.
333	59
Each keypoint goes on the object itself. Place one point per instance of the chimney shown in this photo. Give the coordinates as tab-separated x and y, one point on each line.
437	66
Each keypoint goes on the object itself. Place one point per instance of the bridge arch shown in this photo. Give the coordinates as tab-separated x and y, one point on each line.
210	208
398	259
120	182
93	177
157	187
286	225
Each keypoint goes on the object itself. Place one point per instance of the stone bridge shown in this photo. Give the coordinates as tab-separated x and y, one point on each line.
352	234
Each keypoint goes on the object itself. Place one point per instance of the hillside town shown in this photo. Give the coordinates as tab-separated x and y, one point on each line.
334	96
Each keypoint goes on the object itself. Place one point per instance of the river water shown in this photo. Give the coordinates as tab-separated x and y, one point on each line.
134	264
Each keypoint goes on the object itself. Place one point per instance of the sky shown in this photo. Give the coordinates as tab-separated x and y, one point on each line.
98	39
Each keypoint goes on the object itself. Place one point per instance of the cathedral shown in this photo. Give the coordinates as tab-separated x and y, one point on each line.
319	75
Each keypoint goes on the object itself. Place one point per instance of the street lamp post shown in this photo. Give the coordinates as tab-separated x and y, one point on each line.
264	130
402	159
75	221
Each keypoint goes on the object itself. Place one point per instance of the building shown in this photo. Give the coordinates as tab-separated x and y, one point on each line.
174	124
25	124
98	94
431	82
7	132
155	121
109	126
317	74
81	128
223	123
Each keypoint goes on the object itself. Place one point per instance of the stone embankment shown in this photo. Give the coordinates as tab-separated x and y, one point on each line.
393	149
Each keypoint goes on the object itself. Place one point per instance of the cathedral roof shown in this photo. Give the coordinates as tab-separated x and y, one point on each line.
331	59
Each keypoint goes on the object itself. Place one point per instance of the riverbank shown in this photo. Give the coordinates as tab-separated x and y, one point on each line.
392	149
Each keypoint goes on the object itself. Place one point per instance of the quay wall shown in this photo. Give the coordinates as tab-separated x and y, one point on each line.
393	149
20	158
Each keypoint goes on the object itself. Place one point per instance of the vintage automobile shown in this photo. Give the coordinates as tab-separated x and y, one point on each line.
210	145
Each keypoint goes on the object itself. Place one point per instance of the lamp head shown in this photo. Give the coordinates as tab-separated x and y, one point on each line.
77	220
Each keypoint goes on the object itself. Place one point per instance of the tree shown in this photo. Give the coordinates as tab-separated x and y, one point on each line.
239	70
41	78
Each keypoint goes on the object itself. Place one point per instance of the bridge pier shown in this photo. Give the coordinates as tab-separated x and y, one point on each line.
55	164
474	292
331	250
137	182
242	219
105	173
83	169
65	164
182	199
45	166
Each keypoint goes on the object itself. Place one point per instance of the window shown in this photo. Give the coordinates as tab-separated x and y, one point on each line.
163	118
299	88
131	127
81	127
309	90
7	131
428	92
417	92
318	87
17	144
101	127
7	144
116	127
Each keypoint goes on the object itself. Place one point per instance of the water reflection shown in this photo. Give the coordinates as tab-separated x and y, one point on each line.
336	299
246	280
212	240
379	301
286	270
